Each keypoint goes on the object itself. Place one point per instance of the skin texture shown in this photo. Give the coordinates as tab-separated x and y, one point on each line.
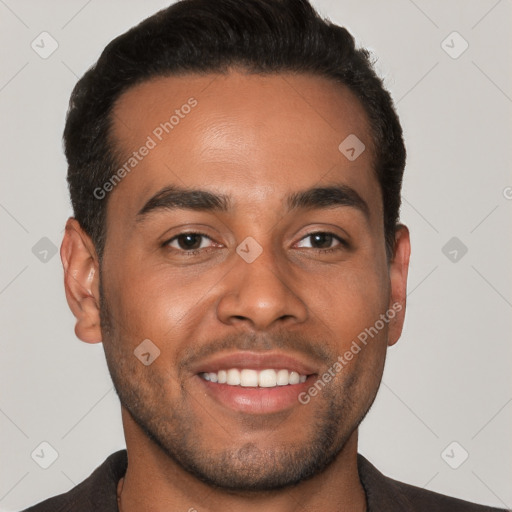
257	139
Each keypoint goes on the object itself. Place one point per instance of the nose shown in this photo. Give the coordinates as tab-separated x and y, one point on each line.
261	293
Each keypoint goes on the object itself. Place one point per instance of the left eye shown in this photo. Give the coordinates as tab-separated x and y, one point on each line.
324	240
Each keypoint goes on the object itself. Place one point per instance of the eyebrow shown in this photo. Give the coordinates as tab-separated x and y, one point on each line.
178	198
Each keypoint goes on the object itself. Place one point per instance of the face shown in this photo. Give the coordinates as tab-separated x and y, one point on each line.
249	249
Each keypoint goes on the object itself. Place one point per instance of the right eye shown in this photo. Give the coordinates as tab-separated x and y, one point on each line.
187	243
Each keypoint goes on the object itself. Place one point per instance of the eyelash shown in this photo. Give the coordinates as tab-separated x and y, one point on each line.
193	252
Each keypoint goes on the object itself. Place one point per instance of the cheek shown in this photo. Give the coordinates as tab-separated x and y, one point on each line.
159	304
353	299
163	304
361	301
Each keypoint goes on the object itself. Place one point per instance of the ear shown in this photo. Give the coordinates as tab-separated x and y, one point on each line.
398	271
81	281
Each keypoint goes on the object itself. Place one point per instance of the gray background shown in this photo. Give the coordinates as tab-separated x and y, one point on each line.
448	379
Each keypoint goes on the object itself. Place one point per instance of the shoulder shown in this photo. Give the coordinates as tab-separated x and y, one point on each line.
97	492
385	494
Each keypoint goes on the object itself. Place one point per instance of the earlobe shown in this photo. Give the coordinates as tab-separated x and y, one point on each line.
398	272
81	281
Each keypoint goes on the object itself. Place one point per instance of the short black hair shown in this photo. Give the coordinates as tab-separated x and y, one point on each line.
214	36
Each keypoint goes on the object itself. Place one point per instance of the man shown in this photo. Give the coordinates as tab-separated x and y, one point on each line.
235	172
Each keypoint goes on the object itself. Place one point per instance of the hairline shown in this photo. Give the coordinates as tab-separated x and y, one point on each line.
116	150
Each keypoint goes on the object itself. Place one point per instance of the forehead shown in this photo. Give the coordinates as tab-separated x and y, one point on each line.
247	135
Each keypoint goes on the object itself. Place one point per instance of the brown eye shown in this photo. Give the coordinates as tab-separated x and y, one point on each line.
324	241
188	241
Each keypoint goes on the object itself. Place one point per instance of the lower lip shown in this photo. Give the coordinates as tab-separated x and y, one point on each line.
256	400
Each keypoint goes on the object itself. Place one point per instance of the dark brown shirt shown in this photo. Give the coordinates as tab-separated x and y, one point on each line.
97	493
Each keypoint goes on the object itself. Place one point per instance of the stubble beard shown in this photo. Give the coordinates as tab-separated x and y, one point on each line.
237	469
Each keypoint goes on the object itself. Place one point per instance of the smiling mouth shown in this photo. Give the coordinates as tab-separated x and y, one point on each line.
247	377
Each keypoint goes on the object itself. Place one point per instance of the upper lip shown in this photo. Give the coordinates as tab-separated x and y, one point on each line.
255	361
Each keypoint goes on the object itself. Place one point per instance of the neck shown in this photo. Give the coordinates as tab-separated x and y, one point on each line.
154	482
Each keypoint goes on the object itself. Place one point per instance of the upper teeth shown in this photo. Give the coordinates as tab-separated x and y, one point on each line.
253	378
